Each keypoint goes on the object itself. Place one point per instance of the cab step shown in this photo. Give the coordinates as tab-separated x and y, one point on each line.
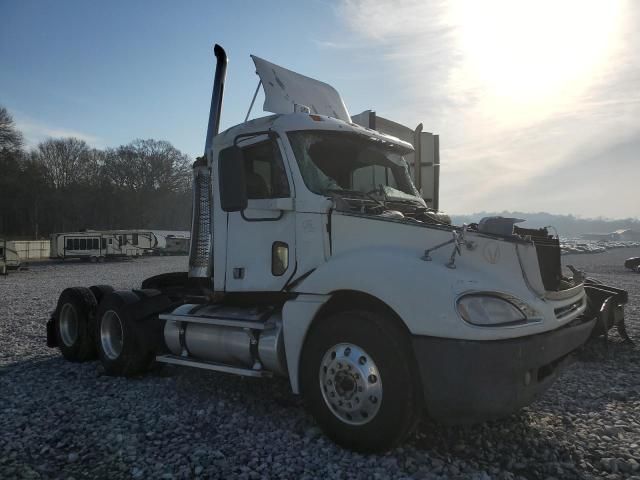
218	367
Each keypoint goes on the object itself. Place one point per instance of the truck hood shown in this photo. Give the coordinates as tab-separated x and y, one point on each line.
385	258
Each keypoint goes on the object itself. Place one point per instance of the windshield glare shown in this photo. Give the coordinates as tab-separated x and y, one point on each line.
334	161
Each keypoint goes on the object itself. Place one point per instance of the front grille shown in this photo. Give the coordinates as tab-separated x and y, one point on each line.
548	251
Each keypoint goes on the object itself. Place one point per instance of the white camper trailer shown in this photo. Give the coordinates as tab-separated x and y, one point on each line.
96	246
9	258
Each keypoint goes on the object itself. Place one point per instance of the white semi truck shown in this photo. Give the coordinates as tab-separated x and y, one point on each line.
314	257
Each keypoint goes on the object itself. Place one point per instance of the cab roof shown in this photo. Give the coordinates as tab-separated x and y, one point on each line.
292	122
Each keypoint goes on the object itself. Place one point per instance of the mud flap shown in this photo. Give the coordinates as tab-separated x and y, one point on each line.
608	304
52	339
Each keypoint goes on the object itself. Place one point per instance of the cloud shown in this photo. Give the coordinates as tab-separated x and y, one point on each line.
519	96
35	132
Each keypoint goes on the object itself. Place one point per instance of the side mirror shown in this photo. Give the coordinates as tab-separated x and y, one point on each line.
233	187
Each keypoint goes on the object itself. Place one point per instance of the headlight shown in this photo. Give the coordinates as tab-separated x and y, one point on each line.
485	310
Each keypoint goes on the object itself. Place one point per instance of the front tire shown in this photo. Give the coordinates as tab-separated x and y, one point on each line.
358	380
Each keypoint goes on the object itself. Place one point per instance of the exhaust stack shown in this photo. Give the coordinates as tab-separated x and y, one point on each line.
200	252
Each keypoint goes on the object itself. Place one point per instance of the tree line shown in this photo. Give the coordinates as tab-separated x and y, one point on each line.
63	184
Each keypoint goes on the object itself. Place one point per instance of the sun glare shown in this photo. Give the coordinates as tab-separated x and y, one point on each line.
528	58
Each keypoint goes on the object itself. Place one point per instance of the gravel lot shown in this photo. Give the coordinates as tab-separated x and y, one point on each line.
63	420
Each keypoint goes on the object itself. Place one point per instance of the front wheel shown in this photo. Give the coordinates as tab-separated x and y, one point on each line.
359	380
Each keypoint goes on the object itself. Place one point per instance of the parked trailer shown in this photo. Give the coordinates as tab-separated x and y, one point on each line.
9	258
96	246
174	246
301	265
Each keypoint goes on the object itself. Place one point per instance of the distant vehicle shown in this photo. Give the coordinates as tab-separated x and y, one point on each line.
96	246
9	258
174	246
633	263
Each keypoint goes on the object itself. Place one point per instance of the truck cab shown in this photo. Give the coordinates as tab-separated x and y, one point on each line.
314	257
295	168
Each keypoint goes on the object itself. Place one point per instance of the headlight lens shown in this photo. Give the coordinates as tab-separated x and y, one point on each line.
485	310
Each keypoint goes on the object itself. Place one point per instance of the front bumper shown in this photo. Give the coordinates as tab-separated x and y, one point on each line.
471	381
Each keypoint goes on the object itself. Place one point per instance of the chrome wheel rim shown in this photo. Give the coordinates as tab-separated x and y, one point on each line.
111	335
68	322
350	384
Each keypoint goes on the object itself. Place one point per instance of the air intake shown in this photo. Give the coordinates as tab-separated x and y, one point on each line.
201	234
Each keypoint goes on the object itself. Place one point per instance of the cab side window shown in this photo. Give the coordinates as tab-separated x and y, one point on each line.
264	171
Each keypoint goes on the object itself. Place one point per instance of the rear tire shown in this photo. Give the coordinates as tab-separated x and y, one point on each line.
359	380
100	291
124	335
74	318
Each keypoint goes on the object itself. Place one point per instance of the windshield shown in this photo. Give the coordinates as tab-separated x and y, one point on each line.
334	161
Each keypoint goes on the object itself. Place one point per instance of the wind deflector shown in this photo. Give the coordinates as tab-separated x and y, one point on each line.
283	89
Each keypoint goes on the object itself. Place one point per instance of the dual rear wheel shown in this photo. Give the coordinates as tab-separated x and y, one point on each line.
126	334
115	327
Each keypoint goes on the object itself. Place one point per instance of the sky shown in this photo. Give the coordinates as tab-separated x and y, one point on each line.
537	103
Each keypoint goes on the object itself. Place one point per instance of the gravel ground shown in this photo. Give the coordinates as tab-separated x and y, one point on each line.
63	420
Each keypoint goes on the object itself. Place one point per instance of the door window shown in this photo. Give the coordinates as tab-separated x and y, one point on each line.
264	171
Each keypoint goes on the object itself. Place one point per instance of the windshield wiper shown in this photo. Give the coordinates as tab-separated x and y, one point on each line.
343	190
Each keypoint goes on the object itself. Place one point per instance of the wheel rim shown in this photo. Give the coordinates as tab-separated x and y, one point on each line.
111	335
350	384
68	325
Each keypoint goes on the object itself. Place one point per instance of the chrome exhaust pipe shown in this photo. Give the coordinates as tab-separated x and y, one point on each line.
200	251
216	97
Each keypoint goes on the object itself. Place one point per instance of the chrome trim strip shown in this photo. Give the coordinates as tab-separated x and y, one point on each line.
225	322
218	367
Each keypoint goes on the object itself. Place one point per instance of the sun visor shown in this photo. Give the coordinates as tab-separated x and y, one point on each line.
283	89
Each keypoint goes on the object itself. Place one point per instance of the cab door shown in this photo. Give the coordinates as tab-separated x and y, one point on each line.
261	238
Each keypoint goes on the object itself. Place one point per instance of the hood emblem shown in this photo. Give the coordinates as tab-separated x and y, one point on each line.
491	252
